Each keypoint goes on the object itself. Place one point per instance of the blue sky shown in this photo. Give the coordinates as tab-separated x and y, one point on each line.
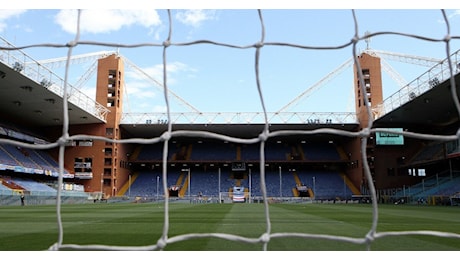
221	79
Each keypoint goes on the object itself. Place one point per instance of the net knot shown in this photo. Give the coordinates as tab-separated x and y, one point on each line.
166	43
369	237
166	136
54	247
447	38
62	140
355	39
458	133
263	136
265	238
161	243
71	44
259	45
365	132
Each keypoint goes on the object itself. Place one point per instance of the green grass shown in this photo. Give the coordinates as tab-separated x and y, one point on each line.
33	228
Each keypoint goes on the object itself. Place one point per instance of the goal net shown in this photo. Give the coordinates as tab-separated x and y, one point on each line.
257	46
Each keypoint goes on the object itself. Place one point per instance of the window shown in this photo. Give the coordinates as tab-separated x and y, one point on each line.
421	172
366	73
416	172
109	131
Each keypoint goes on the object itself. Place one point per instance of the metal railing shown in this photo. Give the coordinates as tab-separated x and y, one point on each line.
241	118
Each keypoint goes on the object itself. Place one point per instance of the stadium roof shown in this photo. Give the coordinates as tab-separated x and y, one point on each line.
233	130
37	104
431	110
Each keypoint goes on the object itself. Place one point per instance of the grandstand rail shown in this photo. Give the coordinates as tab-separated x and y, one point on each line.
430	79
26	65
241	118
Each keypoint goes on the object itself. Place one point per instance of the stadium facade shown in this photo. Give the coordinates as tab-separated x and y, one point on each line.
109	166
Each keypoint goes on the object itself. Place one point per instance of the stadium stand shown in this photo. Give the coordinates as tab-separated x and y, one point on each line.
320	151
319	167
153	152
207	184
3	187
206	151
32	186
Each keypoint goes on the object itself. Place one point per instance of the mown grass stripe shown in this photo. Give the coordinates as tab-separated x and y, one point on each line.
35	227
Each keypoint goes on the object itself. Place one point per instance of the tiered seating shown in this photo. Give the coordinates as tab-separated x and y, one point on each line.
153	152
320	151
216	150
451	188
32	185
6	158
328	185
20	155
270	179
201	182
277	151
145	184
24	166
206	183
288	182
441	185
433	151
226	182
4	188
444	187
44	160
30	158
250	152
206	151
272	184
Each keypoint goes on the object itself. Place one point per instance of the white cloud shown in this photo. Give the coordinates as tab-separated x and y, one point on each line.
140	89
195	17
454	15
143	107
159	109
105	21
6	14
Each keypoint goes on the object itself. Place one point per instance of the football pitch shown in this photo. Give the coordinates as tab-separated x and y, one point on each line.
35	228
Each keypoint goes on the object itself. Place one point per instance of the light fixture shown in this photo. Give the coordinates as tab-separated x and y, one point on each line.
45	83
27	88
50	100
18	66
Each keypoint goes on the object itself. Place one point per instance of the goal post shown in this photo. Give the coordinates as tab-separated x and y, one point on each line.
234	197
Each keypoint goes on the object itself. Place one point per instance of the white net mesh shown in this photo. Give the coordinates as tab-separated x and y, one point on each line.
264	135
